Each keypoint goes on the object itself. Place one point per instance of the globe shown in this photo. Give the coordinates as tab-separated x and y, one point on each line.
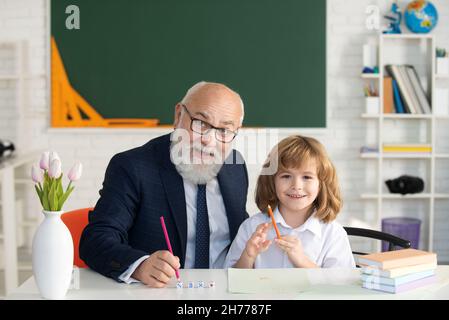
420	16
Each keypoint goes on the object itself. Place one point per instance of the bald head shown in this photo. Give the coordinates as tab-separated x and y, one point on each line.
205	94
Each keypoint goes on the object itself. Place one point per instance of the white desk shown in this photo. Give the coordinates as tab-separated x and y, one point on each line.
327	284
7	197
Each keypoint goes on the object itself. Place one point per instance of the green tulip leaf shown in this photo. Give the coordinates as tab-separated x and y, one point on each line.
55	204
59	191
39	193
64	197
46	186
52	197
45	203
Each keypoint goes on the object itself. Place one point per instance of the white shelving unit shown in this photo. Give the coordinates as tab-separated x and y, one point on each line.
417	50
13	222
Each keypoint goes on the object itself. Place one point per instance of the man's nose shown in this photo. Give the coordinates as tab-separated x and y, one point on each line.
208	139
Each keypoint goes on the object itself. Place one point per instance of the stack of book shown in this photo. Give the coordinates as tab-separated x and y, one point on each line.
404	92
398	271
410	149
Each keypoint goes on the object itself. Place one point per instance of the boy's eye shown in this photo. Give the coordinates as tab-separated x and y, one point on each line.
284	176
308	177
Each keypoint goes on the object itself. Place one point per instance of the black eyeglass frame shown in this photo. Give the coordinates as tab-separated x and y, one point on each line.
210	127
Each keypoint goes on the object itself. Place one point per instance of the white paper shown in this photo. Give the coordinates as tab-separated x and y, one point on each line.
267	280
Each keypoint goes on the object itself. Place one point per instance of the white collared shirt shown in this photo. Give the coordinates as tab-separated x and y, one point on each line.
219	239
218	226
326	244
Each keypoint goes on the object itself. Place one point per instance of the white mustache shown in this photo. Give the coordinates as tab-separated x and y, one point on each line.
212	152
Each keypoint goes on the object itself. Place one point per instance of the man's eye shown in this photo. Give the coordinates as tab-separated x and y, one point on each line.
204	125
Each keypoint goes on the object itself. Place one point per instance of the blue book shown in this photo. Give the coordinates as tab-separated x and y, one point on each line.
397	98
400	288
369	278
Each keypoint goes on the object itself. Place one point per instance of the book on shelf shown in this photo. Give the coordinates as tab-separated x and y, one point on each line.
419	90
368	149
398	272
406	149
369	278
388	95
414	106
400	288
399	106
397	258
417	145
415	148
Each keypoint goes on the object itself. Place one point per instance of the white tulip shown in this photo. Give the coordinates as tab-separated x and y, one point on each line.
55	169
53	155
76	171
37	174
45	161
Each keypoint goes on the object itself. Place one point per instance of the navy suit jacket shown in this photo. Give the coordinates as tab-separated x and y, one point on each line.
140	185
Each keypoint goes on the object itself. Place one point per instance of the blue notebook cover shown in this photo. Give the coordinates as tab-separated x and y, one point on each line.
397	98
368	278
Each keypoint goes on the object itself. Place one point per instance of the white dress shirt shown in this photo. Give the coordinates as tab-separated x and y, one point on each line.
326	244
218	225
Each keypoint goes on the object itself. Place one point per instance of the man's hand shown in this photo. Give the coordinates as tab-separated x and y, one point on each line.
157	270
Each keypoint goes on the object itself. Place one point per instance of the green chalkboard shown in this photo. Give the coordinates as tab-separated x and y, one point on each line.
136	59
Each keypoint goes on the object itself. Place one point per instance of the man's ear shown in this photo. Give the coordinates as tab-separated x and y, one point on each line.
178	111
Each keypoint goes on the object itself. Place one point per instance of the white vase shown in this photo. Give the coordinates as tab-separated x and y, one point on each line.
52	256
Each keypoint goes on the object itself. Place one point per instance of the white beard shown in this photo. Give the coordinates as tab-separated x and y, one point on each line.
192	169
198	174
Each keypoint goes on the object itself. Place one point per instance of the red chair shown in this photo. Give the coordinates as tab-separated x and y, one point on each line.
76	221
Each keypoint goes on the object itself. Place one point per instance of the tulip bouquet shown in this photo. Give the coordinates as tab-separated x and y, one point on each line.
48	179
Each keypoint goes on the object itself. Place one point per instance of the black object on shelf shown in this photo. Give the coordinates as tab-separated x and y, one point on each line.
6	149
405	184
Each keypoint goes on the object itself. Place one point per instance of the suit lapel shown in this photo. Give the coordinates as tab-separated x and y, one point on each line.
174	190
231	194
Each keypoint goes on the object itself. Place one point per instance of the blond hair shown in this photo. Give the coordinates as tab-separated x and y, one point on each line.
292	152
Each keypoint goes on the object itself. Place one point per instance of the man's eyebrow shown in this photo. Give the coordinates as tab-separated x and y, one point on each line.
226	122
203	114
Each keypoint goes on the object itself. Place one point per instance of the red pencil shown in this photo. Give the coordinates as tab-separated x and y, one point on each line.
274	222
168	243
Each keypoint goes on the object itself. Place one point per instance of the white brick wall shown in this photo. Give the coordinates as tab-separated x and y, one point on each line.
27	19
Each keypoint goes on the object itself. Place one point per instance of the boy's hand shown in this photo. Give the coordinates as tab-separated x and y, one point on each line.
295	252
258	242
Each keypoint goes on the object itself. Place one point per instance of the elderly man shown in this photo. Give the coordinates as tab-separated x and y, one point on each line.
192	177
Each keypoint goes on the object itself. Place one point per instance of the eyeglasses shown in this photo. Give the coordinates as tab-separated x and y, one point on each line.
199	126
